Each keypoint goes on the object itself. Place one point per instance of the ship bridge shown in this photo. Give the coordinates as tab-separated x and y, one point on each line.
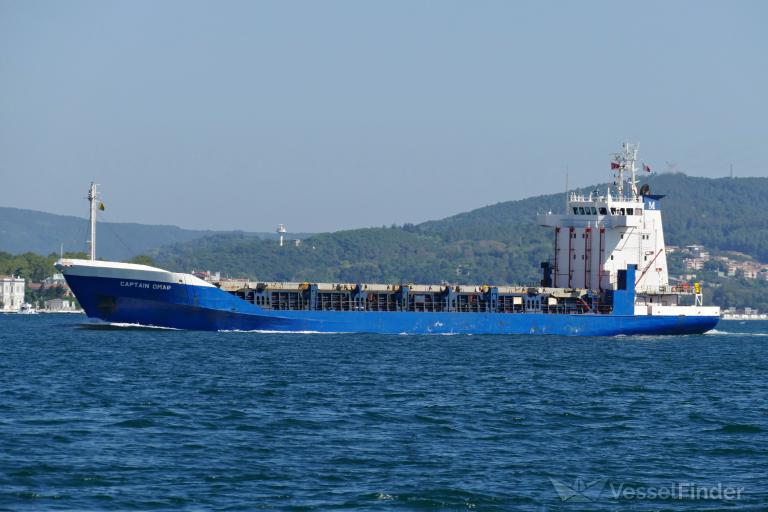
600	234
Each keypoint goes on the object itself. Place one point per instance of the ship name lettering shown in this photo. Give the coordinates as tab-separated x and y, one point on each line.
134	284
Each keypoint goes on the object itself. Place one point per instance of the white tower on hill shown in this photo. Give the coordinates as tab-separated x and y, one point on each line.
281	231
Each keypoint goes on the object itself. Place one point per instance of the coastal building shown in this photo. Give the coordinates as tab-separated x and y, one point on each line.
749	273
60	306
743	314
698	251
207	275
694	263
11	293
54	280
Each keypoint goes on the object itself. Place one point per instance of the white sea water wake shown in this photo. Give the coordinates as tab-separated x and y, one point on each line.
123	325
139	326
262	331
728	333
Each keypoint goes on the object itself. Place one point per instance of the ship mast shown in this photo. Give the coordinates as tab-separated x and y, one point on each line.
92	199
625	160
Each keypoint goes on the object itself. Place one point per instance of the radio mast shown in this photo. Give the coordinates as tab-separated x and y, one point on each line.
625	160
92	198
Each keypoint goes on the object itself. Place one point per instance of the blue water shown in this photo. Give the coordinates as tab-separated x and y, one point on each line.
124	419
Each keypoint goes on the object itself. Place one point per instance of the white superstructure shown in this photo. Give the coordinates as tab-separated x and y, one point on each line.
604	232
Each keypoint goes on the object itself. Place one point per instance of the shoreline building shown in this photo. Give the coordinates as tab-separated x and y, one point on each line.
61	306
11	293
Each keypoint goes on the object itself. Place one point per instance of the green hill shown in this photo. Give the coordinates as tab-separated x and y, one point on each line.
722	214
499	243
24	231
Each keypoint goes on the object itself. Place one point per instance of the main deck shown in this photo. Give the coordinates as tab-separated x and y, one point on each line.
278	296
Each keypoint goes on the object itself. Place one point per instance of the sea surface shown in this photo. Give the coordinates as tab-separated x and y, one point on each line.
149	419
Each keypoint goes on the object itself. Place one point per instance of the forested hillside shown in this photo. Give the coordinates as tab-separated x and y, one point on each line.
498	243
42	233
722	214
24	231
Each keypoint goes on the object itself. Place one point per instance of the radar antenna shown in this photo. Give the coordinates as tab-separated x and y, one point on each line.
624	161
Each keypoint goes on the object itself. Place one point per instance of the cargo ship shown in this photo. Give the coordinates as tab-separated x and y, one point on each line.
607	276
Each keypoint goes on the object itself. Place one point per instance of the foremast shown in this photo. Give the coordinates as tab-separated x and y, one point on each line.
95	204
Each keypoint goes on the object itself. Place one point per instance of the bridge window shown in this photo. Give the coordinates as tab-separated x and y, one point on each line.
581	210
629	211
594	211
603	211
575	211
613	211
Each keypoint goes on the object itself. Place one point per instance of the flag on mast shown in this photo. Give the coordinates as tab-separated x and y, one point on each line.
615	165
646	167
101	206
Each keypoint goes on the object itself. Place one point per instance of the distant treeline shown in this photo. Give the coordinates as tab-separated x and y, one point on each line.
35	267
32	267
500	243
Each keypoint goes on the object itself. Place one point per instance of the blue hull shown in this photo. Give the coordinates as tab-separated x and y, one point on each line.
208	308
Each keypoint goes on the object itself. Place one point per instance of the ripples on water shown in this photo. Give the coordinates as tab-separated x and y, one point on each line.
121	418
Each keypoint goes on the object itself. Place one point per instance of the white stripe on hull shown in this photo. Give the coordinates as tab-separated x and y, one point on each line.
125	271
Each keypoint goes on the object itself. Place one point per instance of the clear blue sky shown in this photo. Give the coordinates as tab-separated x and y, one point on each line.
328	115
